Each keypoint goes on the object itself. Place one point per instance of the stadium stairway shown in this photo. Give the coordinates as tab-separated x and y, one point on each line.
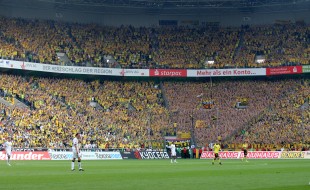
64	59
17	103
20	104
239	46
6	103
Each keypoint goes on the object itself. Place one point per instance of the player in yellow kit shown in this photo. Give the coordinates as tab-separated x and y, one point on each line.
216	150
245	151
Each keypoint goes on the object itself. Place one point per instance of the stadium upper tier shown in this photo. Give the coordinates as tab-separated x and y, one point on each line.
158	47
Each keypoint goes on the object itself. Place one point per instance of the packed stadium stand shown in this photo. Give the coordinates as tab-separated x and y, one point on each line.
265	101
40	110
153	47
135	114
130	113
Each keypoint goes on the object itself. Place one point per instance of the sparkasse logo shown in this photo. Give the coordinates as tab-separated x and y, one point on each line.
168	72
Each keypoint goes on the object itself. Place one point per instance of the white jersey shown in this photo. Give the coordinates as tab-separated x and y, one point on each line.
75	144
172	147
8	147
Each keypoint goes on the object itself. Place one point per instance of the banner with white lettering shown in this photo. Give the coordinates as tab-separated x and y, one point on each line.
262	154
258	155
29	66
284	70
168	72
306	69
129	155
151	155
223	155
26	155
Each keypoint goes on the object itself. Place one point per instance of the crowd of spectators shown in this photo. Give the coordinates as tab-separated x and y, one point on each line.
132	114
168	47
265	98
127	115
189	47
288	44
286	123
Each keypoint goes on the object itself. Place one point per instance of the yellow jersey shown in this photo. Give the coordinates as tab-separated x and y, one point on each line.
216	148
245	146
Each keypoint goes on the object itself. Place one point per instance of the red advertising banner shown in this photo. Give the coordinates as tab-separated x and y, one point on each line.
284	70
263	154
239	154
27	155
224	154
168	72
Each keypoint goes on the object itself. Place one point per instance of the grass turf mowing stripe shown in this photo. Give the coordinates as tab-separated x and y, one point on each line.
157	174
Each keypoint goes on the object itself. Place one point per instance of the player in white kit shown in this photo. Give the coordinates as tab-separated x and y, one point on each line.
8	150
76	152
173	152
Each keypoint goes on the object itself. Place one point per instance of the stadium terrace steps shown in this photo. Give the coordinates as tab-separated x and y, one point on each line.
17	103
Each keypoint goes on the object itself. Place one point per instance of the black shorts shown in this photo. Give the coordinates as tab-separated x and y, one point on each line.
245	152
216	155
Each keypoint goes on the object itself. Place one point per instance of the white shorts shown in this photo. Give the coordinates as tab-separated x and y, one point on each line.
76	155
173	154
8	153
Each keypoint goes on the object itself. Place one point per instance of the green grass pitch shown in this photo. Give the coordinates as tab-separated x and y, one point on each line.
157	174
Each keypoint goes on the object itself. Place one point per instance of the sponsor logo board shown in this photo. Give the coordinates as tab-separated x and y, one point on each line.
135	72
262	154
284	70
224	154
168	72
80	70
26	155
306	69
239	154
12	64
86	155
128	155
226	72
293	154
151	155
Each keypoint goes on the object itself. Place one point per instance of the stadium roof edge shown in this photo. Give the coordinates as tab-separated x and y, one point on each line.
169	3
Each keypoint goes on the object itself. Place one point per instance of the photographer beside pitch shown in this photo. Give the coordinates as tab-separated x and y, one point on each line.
76	152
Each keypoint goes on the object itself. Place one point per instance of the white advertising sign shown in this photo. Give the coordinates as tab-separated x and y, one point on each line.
226	72
86	155
130	72
73	69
